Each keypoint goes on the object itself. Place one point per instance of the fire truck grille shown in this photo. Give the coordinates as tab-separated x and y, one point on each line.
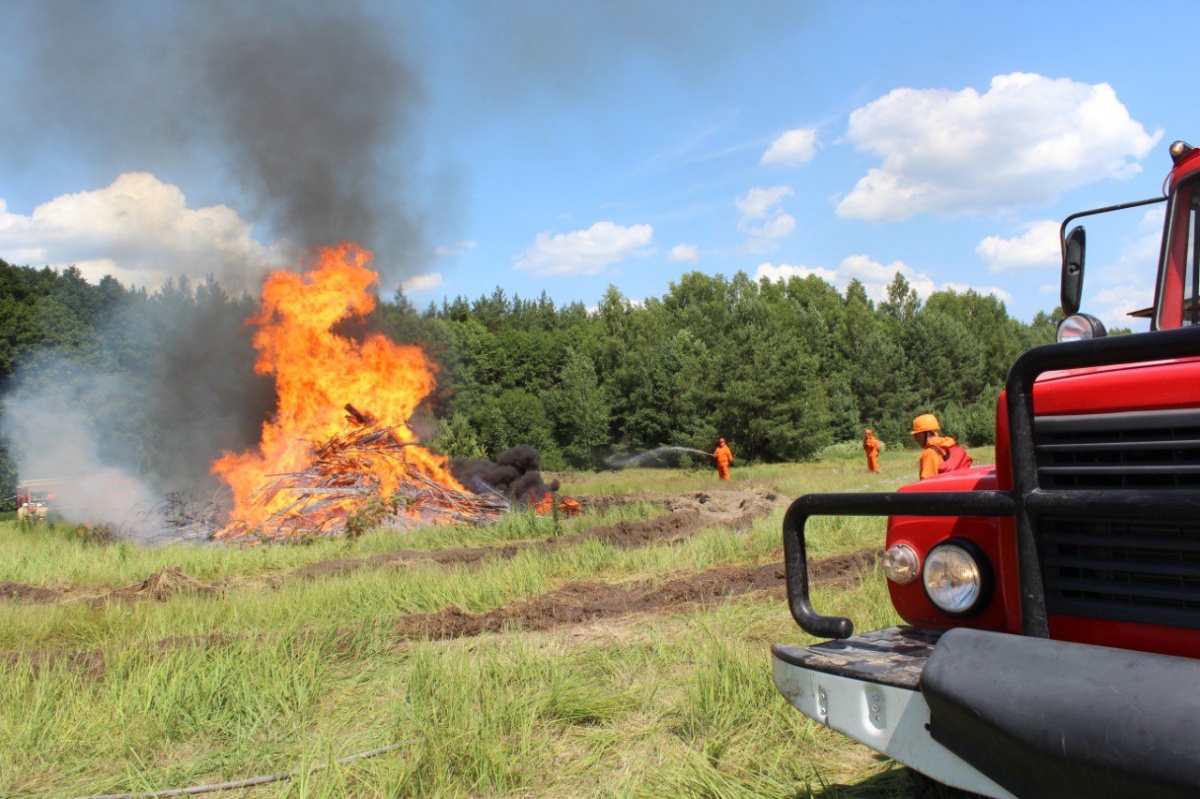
1148	449
1124	569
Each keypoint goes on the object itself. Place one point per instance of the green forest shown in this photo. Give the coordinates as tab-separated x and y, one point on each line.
782	370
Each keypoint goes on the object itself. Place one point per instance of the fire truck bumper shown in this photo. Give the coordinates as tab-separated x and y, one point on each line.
1006	715
867	688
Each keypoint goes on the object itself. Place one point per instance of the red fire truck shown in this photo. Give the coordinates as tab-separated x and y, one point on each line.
1052	602
33	499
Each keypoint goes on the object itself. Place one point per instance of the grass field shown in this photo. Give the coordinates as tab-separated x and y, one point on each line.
242	663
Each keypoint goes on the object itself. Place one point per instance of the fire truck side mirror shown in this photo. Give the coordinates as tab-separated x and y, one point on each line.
1072	270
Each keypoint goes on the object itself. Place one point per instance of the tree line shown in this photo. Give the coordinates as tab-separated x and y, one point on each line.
780	369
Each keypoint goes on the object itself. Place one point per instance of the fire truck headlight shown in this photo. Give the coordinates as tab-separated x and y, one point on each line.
957	577
1080	327
901	564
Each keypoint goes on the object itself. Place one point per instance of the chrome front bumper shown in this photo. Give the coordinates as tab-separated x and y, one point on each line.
865	687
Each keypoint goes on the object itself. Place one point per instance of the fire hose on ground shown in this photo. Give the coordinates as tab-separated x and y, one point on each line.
250	782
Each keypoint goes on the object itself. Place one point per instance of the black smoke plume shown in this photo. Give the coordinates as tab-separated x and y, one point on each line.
303	112
515	474
300	112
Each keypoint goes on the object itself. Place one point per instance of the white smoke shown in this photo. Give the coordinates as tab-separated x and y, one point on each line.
56	430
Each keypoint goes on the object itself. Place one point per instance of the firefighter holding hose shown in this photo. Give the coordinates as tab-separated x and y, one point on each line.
724	457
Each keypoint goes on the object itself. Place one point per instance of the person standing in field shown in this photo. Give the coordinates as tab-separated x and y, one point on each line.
871	447
724	456
939	454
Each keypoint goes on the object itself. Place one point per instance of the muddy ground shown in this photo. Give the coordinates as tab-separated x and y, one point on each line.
686	514
577	603
574	604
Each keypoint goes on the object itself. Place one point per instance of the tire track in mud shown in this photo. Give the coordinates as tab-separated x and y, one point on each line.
168	582
624	535
582	602
687	514
571	605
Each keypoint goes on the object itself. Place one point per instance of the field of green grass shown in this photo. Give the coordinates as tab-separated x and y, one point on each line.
245	669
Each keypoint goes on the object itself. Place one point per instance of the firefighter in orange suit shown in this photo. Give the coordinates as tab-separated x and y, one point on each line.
724	456
934	448
871	447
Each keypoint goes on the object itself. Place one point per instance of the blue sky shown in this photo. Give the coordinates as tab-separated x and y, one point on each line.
568	146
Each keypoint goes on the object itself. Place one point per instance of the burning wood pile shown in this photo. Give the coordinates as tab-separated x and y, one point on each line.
345	490
324	468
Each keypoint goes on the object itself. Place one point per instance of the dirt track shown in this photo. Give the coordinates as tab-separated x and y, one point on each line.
577	603
573	604
686	514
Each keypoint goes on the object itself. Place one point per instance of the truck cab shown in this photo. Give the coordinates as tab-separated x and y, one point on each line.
1051	602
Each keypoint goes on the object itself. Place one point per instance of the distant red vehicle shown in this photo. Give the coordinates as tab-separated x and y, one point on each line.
76	498
1052	645
34	498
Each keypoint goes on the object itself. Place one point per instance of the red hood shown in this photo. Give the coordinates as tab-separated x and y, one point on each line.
1148	385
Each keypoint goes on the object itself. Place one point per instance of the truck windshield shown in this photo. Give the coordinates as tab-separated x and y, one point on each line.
1191	282
1179	285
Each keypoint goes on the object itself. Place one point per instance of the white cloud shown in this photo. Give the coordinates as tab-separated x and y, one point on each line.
1113	302
684	252
784	272
1038	246
140	231
586	252
793	148
419	283
759	201
765	238
762	204
1020	143
454	249
874	276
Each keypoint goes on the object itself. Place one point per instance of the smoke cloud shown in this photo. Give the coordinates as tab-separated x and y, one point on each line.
305	119
300	114
117	444
304	113
57	437
514	474
533	50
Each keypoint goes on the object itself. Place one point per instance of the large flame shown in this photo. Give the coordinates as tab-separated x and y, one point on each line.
318	373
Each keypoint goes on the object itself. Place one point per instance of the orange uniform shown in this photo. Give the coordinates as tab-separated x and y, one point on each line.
934	454
724	456
871	447
936	448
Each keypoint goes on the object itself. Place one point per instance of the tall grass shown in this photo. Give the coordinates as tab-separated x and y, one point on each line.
53	555
273	674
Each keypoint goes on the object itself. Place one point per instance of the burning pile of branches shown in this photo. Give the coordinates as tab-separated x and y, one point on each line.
357	480
370	471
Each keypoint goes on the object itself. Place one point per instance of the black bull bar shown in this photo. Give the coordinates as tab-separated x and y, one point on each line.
1026	502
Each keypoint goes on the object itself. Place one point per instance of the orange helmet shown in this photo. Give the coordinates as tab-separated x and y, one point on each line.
925	423
868	432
